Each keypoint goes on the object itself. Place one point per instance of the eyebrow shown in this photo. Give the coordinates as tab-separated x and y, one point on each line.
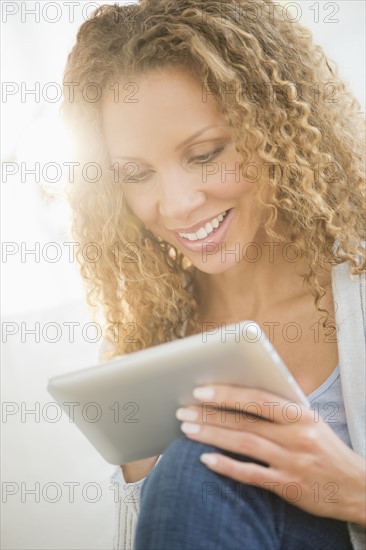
178	147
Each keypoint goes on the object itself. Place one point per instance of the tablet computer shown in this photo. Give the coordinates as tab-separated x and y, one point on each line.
126	406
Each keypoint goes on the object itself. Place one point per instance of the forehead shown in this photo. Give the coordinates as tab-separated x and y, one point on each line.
162	101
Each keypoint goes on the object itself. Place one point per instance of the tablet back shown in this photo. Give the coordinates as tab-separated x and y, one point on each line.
126	406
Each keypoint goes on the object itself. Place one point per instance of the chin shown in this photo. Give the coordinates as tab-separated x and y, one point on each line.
214	266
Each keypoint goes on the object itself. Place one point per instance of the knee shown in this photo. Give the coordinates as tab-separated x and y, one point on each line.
180	472
179	465
184	450
181	486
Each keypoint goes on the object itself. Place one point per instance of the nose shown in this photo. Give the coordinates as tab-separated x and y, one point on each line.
179	198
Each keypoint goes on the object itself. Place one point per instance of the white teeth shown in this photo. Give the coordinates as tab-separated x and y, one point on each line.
203	232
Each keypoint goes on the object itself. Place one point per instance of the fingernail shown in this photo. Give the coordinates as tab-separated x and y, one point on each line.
186	414
203	392
190	428
208	458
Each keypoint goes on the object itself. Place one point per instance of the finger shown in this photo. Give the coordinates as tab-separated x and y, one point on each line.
234	420
244	472
254	401
290	436
244	443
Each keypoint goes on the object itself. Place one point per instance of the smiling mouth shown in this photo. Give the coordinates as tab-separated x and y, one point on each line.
206	229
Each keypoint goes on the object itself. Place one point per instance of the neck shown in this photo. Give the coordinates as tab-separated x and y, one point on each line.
251	288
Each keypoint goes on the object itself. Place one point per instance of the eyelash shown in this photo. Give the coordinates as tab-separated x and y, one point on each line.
209	156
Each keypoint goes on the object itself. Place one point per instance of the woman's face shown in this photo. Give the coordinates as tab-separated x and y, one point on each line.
180	169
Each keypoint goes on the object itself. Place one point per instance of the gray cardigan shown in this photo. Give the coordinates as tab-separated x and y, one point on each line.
349	293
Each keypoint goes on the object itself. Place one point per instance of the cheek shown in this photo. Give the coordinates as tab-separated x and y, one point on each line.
141	206
232	181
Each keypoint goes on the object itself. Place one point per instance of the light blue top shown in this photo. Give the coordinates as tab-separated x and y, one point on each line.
327	403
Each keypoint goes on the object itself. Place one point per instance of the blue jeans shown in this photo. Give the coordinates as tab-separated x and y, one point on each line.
185	505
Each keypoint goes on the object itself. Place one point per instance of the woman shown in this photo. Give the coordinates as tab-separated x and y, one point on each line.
221	180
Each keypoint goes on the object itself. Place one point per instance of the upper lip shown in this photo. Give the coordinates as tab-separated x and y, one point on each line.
196	226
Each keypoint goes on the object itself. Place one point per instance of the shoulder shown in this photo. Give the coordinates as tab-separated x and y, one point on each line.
349	293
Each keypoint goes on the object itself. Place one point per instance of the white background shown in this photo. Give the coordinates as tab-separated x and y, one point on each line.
44	292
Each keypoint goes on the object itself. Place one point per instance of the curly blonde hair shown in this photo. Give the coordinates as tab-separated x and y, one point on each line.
302	120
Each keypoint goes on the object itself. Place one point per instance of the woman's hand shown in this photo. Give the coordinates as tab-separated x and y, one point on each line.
308	464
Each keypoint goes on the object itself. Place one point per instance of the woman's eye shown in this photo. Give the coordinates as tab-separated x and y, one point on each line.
134	176
140	177
131	177
209	156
